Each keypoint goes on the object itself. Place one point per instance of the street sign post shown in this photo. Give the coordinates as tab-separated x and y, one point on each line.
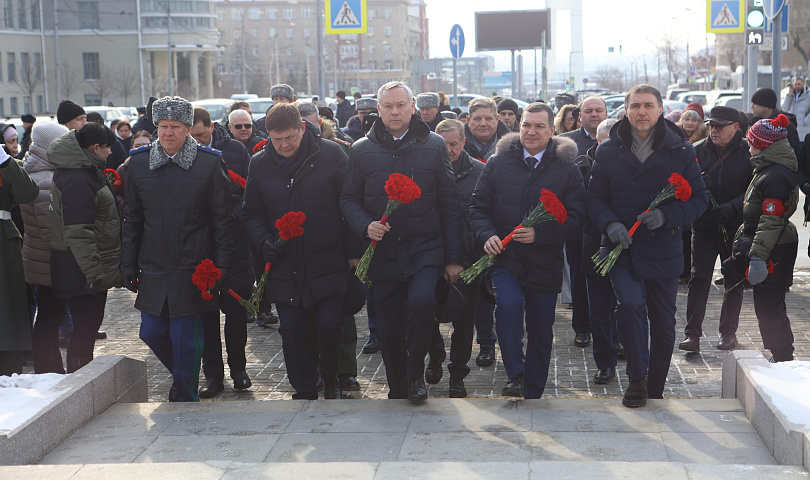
725	16
456	49
346	16
785	21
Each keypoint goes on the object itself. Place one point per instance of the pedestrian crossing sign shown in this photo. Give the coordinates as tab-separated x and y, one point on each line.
725	16
346	16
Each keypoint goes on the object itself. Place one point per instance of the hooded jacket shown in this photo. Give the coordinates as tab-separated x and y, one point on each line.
621	188
85	227
508	189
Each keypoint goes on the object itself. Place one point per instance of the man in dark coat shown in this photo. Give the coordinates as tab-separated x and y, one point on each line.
725	162
299	171
466	171
345	110
529	272
236	158
483	129
509	114
631	169
364	106
428	106
240	125
421	240
765	105
28	122
178	213
592	112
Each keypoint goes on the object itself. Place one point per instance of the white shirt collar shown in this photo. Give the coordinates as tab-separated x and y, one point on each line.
539	156
403	135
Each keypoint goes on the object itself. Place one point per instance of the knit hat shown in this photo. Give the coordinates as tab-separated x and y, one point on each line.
764	97
44	133
9	132
67	111
698	108
282	90
427	100
508	104
674	115
364	104
766	132
28	118
173	108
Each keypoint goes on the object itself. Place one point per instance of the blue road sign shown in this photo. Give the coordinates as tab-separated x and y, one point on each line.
346	16
785	22
725	16
771	7
456	41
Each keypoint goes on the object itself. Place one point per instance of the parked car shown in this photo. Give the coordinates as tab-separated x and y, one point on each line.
693	96
463	101
218	108
260	106
713	96
244	96
108	113
672	94
613	102
129	113
731	101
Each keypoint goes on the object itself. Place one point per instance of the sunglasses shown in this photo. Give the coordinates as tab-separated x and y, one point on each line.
246	126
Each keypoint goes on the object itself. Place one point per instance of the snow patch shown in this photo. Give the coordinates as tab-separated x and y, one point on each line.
23	396
788	386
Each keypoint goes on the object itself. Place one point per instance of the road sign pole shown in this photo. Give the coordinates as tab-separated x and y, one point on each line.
776	57
751	72
319	27
544	72
455	81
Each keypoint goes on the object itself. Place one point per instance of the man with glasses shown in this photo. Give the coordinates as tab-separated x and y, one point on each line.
240	124
724	161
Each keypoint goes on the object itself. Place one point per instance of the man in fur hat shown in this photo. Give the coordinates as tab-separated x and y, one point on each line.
178	213
428	105
529	272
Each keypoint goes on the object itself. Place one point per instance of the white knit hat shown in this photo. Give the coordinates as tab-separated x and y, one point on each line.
44	133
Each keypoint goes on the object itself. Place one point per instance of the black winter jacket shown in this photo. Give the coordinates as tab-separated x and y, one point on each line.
621	188
507	190
591	237
467	174
314	265
174	219
425	233
432	125
583	141
345	110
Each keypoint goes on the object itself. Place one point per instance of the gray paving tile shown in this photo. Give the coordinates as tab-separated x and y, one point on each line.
607	470
39	472
336	447
375	421
231	423
717	448
709	422
126	426
250	449
467	447
98	450
745	472
452	471
600	446
594	421
154	471
320	471
471	421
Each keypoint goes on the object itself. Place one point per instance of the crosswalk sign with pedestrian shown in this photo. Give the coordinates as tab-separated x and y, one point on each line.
725	16
346	16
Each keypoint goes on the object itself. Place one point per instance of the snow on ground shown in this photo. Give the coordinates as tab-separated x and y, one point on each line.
23	396
788	386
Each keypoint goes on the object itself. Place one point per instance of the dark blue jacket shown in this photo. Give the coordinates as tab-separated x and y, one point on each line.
507	190
584	142
621	188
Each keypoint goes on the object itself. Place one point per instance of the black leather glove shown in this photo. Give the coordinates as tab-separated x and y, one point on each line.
224	282
805	187
721	213
707	180
617	233
272	252
93	288
653	219
129	278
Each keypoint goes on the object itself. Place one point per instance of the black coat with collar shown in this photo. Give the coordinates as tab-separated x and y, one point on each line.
469	169
424	233
508	189
583	141
174	219
313	266
621	188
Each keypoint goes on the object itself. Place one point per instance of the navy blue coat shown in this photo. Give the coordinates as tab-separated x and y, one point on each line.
507	190
584	142
621	188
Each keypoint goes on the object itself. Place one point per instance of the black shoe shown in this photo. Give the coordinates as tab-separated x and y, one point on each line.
211	387
485	357
266	319
457	388
332	391
691	344
582	339
174	395
371	346
433	373
619	349
418	391
101	335
251	318
727	342
514	387
604	375
241	380
349	383
636	394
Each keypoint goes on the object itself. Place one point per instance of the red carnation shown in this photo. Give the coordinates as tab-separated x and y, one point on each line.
553	205
112	177
205	276
290	225
682	188
235	178
259	146
402	189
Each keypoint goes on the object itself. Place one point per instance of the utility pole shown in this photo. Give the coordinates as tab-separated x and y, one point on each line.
319	22
169	40
56	49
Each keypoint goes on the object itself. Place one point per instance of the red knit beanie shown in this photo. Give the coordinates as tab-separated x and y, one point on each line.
698	108
765	132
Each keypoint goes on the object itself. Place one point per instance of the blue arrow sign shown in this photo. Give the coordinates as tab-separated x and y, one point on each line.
456	41
771	8
785	22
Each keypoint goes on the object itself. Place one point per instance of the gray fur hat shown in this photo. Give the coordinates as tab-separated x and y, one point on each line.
282	90
427	100
173	108
363	104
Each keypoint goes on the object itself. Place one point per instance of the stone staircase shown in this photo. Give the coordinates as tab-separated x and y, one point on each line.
392	439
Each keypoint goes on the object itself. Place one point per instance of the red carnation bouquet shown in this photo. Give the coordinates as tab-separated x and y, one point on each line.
549	208
112	177
401	190
259	146
678	187
238	180
205	276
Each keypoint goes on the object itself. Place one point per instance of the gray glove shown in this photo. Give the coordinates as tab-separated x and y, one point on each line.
617	233
653	219
757	270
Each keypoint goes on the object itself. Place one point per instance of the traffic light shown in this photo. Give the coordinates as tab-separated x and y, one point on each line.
755	17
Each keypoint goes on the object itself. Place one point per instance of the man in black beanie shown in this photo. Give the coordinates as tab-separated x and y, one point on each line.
28	125
71	115
764	105
508	113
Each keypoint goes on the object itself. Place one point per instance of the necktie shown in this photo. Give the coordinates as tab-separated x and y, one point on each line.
531	162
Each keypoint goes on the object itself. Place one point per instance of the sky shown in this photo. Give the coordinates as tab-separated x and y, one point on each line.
604	23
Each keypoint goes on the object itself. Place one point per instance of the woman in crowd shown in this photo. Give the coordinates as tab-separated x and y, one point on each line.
693	126
122	131
85	233
564	121
9	139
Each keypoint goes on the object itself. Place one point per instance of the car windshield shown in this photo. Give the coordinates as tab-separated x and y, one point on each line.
261	106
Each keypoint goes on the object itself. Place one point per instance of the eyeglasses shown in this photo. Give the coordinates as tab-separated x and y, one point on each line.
246	126
287	139
715	126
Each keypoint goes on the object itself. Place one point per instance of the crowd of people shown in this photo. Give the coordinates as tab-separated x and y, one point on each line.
190	190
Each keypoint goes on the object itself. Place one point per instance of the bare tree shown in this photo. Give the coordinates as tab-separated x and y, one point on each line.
610	77
68	80
125	83
799	37
28	80
102	85
674	57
